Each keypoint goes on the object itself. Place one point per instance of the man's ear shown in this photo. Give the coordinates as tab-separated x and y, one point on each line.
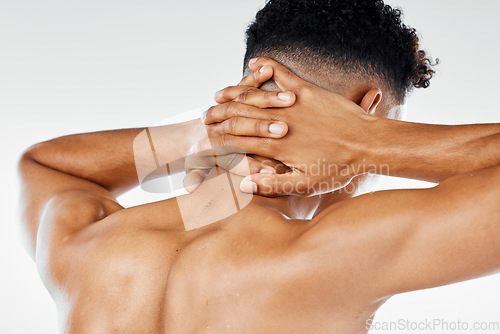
371	100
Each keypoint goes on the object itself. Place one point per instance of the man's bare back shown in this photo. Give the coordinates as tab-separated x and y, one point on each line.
111	269
139	271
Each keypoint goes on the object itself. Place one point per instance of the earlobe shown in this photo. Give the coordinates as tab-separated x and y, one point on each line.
371	100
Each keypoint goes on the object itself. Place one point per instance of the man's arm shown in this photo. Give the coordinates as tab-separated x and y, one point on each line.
79	176
403	240
429	152
75	179
327	125
394	241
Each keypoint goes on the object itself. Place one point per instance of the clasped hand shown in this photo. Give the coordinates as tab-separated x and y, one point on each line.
298	140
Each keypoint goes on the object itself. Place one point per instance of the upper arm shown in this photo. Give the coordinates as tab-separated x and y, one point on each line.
62	203
404	240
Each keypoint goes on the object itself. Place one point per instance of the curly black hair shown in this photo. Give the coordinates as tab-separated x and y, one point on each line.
352	35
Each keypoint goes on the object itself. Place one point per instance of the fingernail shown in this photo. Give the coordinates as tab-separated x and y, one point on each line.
218	94
277	128
285	96
253	60
248	186
262	69
267	171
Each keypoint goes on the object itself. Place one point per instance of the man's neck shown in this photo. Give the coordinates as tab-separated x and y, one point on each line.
219	197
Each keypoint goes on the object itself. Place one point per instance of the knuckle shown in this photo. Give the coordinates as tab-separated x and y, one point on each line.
265	146
210	112
243	110
224	140
304	91
229	110
282	118
261	127
271	96
243	96
307	90
211	130
232	125
275	116
273	149
298	90
265	141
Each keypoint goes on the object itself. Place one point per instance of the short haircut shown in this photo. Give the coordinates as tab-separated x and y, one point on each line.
356	37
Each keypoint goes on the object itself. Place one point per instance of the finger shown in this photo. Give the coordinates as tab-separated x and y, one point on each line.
266	147
255	97
204	160
193	179
272	185
243	165
230	93
220	113
266	99
276	165
210	147
227	162
228	144
204	155
284	78
242	126
253	80
236	163
258	76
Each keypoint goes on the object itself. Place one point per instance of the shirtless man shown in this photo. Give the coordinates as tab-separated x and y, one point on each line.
269	268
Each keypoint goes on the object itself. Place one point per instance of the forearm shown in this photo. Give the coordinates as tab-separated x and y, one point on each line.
432	152
111	158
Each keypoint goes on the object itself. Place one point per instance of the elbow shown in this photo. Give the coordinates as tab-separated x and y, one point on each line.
26	172
30	158
29	155
25	160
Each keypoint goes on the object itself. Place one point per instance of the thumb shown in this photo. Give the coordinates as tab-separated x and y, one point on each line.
273	185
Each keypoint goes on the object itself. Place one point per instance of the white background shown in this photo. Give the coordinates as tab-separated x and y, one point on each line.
77	66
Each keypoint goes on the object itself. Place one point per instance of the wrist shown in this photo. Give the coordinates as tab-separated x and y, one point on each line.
376	136
186	134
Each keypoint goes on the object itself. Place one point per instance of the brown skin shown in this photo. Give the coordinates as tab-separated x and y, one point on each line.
111	269
352	136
